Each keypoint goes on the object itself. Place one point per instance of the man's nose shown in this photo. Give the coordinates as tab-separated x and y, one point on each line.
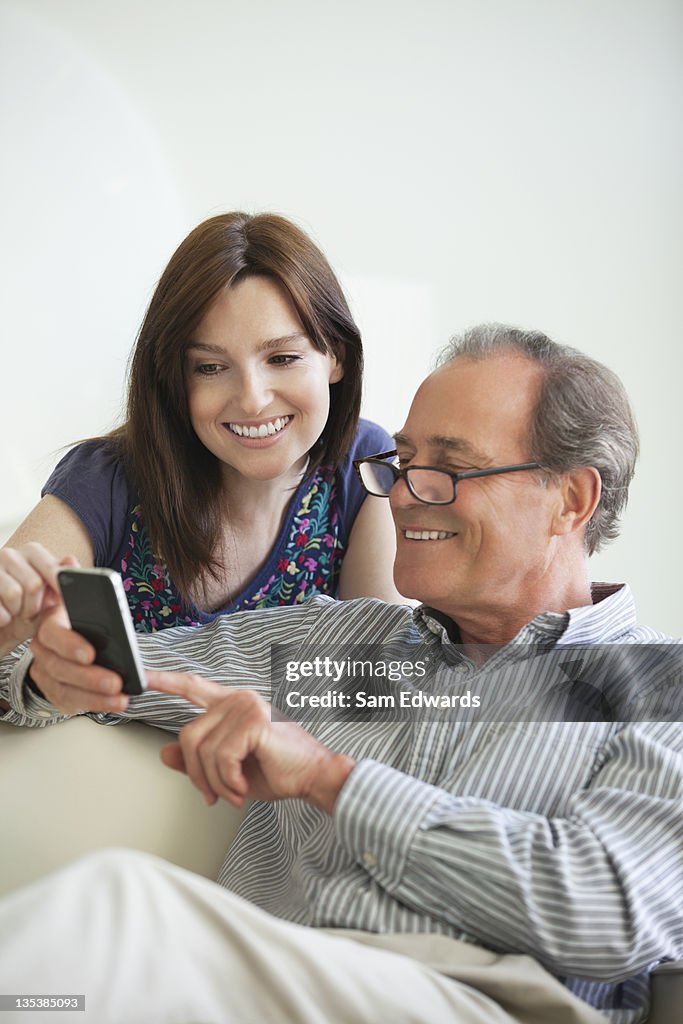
400	496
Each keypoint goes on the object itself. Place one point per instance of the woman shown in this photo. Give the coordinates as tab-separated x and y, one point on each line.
230	485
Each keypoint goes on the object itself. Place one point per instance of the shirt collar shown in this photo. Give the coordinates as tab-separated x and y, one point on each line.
611	614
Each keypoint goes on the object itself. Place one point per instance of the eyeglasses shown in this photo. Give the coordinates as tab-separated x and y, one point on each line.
429	484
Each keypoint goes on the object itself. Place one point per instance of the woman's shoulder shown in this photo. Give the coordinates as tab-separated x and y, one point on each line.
92	480
369	439
348	494
98	459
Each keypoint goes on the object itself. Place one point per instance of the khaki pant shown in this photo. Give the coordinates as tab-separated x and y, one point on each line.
149	943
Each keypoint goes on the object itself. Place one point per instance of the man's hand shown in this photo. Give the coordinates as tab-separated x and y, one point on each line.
63	670
28	588
236	751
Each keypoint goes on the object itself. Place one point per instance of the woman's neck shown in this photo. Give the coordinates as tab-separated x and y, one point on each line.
246	498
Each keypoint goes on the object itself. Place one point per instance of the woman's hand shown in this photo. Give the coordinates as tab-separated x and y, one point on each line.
63	669
28	588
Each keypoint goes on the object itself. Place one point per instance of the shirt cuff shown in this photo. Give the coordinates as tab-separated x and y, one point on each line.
26	705
376	816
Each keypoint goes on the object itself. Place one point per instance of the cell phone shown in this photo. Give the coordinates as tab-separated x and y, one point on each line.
98	610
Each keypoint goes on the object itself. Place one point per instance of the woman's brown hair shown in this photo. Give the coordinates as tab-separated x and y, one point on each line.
177	479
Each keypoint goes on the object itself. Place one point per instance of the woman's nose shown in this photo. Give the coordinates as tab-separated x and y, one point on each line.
255	393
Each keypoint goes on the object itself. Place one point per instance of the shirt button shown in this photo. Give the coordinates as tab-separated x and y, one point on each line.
369	859
44	714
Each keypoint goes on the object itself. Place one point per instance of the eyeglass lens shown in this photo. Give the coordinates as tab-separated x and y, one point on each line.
427	484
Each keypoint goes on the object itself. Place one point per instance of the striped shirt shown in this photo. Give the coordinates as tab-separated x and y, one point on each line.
562	840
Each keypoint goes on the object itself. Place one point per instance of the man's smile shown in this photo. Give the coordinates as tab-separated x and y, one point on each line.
427	534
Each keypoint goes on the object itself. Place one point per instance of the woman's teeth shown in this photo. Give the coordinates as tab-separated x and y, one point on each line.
428	534
263	430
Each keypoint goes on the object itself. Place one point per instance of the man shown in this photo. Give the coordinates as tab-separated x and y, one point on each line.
434	863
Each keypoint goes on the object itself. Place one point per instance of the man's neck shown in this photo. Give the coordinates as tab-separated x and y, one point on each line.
501	623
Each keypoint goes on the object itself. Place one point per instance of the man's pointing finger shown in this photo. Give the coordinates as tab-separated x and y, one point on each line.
202	692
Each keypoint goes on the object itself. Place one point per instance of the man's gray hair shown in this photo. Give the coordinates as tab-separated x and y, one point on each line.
582	418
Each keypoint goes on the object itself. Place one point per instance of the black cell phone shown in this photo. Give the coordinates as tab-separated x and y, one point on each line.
98	610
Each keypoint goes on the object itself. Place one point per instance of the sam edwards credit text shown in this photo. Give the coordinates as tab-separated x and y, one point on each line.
361	699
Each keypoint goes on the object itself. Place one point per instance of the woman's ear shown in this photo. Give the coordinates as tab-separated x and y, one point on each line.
336	371
580	492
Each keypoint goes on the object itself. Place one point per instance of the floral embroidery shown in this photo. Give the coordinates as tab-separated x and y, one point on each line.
308	563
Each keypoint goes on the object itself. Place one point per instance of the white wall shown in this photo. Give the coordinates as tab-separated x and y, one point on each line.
457	160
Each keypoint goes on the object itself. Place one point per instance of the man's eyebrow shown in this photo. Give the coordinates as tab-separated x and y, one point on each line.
458	445
264	346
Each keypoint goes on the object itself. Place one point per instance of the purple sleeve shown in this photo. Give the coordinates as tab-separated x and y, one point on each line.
91	481
369	440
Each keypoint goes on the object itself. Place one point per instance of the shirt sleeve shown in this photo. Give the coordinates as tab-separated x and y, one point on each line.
598	893
90	479
370	439
234	650
26	708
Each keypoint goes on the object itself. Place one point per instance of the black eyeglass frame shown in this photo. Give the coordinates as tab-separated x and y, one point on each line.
456	476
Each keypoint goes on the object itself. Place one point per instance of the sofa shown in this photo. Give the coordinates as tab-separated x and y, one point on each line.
77	786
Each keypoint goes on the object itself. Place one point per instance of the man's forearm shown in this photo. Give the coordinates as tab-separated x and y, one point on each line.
582	894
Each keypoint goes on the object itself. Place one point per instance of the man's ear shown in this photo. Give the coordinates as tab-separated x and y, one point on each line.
580	492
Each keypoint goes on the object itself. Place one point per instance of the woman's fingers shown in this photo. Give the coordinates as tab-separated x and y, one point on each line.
28	584
64	671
